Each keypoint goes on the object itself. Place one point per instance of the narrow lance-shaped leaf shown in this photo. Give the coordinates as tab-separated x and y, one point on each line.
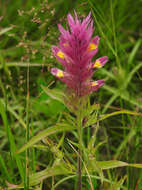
47	132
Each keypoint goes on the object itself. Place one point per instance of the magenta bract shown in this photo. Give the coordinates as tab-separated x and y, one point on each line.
75	51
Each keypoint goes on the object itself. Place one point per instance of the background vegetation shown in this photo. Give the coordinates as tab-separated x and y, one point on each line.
28	29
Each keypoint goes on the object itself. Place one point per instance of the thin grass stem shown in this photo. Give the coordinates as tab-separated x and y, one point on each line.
27	132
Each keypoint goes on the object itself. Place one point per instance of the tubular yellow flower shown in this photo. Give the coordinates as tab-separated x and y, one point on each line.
97	64
61	54
92	46
60	74
95	83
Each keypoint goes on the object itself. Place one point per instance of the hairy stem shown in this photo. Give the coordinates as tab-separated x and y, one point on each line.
79	151
79	170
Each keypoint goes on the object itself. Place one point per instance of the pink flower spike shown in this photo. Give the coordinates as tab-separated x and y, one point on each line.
75	51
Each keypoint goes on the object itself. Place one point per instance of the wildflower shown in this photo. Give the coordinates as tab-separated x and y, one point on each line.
75	51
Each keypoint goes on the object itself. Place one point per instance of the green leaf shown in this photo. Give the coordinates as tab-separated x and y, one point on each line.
50	107
94	166
73	143
134	51
129	77
59	168
92	119
61	127
102	117
111	164
123	95
115	164
54	93
124	143
136	165
10	138
3	168
61	141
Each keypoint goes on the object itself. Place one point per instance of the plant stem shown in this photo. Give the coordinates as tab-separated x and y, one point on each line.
26	187
79	151
79	170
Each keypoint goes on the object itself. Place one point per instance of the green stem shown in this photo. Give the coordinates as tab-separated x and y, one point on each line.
26	187
79	151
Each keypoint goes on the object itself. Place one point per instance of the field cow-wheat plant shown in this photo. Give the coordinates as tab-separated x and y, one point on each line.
70	95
